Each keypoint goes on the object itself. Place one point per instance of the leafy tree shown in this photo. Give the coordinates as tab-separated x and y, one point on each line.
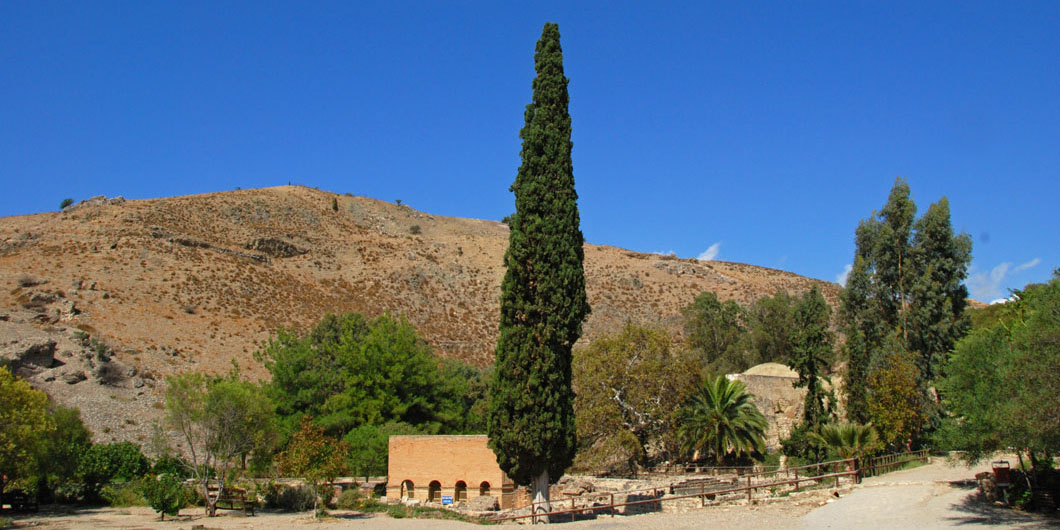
219	420
164	493
721	419
463	391
1003	379
903	294
65	202
543	303
24	424
627	388
59	454
894	400
350	371
772	328
812	351
369	446
104	463
713	329
313	456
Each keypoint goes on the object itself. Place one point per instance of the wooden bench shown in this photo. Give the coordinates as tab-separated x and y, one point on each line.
236	499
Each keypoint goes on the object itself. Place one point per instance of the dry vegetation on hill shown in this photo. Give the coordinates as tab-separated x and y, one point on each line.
191	282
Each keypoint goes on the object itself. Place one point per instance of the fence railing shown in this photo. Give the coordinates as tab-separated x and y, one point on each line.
659	499
755	480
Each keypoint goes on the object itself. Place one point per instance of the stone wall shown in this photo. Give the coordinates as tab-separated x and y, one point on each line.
779	401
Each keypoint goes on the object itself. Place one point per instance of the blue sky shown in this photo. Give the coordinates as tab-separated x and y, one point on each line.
758	132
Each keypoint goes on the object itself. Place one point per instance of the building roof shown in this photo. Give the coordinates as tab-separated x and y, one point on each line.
772	370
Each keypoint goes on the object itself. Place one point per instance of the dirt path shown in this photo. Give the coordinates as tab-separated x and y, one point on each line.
939	495
925	498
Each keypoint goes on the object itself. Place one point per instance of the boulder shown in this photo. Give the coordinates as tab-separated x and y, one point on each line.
483	503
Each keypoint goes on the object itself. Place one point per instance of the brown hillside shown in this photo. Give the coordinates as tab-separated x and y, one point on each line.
191	282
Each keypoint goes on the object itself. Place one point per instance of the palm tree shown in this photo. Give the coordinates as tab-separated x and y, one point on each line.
847	440
721	419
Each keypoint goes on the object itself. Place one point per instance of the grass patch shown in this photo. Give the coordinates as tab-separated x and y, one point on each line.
401	511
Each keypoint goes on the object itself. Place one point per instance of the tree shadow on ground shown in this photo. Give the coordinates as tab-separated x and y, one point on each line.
981	512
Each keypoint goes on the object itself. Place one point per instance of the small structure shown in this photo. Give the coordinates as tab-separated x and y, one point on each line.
429	469
776	396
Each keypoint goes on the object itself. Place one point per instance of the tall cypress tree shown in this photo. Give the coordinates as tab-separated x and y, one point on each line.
543	303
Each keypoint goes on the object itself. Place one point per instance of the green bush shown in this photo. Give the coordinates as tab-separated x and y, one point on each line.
164	493
170	465
290	498
66	202
6	522
353	499
103	463
124	494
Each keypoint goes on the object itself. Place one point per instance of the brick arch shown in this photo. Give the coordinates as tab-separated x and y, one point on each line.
460	491
434	491
484	488
408	489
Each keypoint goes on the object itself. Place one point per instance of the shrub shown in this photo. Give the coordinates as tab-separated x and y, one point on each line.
170	465
354	499
164	493
124	494
415	229
334	204
290	498
104	463
66	202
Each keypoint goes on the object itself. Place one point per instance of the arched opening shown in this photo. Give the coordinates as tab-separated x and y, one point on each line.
408	490
484	488
434	491
460	492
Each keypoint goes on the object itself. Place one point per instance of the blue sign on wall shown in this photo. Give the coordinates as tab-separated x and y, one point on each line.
447	499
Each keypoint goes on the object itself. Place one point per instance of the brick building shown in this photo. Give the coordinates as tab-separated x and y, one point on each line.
427	468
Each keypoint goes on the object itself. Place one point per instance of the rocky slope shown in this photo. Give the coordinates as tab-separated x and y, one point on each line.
192	283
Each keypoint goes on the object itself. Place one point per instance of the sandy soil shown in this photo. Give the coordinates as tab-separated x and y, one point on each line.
930	497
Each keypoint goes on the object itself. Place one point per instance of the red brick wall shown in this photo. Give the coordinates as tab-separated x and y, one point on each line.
446	459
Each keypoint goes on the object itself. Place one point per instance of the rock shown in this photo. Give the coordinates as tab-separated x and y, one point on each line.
49	378
138	383
72	378
40	353
483	503
276	248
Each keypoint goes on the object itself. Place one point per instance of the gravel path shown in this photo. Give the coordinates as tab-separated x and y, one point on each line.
929	497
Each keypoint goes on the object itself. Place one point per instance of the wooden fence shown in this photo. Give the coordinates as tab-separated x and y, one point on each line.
811	473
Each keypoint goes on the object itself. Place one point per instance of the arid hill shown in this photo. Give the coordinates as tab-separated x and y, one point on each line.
191	283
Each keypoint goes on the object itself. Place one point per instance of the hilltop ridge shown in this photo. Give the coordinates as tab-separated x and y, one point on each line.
193	282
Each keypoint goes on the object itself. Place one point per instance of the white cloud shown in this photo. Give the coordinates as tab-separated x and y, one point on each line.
710	253
1029	265
841	278
987	286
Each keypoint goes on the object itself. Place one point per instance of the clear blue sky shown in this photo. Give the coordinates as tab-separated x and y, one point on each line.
763	130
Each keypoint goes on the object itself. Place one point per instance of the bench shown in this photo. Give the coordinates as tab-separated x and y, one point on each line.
236	499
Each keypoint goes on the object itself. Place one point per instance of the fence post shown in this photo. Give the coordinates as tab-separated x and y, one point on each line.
612	505
748	488
796	479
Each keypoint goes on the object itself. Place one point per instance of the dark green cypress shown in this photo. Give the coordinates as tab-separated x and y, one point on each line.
543	303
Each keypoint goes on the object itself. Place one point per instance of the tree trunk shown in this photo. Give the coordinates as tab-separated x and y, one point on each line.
540	490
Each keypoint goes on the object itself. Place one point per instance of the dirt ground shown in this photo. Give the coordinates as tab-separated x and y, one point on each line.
930	497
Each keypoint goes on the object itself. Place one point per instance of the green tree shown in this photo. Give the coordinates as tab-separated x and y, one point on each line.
811	354
219	420
903	294
24	424
771	329
721	419
1003	379
59	454
543	303
895	401
713	329
350	371
65	202
628	387
369	446
164	493
314	457
105	463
